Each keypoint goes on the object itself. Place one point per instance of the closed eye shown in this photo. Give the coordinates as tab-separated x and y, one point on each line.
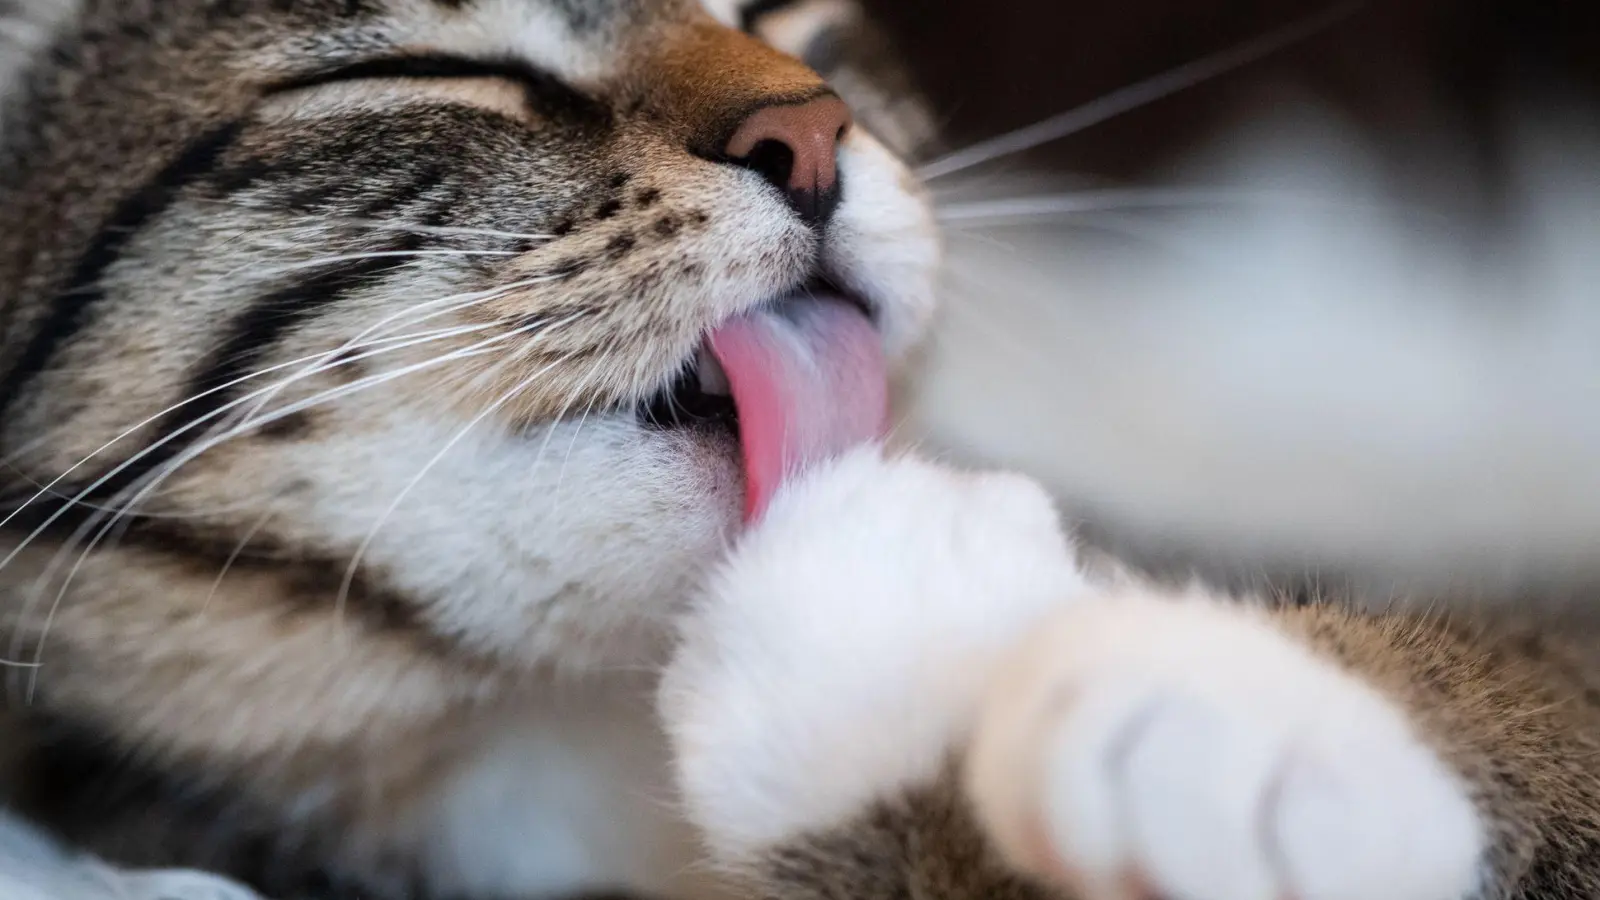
546	94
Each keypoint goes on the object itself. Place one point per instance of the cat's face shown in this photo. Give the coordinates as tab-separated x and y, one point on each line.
421	269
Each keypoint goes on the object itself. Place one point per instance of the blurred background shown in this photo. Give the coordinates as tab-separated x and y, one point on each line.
1330	315
1399	66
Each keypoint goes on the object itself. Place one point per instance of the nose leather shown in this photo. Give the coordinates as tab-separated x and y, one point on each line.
796	148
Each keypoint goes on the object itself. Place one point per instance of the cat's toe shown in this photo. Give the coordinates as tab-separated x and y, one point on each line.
1183	750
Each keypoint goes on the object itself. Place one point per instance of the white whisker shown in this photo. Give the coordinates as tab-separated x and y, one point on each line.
1130	199
252	424
453	303
1137	95
154	479
238	550
561	474
366	543
373	347
150	481
255	268
572	397
48	488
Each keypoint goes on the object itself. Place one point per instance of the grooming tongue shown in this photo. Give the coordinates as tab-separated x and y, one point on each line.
809	380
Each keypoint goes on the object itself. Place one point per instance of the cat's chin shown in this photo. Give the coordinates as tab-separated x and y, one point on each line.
707	459
712	451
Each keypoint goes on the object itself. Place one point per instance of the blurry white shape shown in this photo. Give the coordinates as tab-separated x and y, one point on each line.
1313	374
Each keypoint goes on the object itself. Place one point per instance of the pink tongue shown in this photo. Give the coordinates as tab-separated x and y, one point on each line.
809	380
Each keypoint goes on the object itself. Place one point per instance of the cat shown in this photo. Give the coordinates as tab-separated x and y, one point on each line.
357	412
355	421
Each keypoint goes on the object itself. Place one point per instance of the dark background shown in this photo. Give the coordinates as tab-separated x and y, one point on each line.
1403	68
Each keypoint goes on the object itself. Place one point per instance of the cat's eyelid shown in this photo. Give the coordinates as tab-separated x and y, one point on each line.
410	66
546	93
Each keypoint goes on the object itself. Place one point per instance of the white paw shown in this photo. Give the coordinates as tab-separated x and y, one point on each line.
1188	751
843	649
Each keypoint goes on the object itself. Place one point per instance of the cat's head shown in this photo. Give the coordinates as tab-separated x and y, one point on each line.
392	294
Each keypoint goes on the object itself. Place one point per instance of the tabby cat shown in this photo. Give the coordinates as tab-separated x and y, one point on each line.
354	388
349	401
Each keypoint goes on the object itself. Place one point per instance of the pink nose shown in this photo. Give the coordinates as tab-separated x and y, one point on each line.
796	147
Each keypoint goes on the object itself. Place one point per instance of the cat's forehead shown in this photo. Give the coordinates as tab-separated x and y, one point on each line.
581	40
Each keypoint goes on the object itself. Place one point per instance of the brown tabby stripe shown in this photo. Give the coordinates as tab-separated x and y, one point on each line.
251	334
100	795
97	794
309	580
71	309
248	338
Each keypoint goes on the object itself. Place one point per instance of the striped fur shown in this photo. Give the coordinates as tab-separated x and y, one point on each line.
325	328
325	325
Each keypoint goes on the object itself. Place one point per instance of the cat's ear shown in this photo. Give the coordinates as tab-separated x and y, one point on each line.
837	658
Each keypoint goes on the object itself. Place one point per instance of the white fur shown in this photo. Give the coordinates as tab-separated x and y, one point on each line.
573	794
795	26
1193	747
840	654
32	867
507	27
527	544
888	610
726	11
884	242
1299	366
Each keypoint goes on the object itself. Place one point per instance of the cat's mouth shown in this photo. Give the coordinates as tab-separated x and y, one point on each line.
800	379
699	397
